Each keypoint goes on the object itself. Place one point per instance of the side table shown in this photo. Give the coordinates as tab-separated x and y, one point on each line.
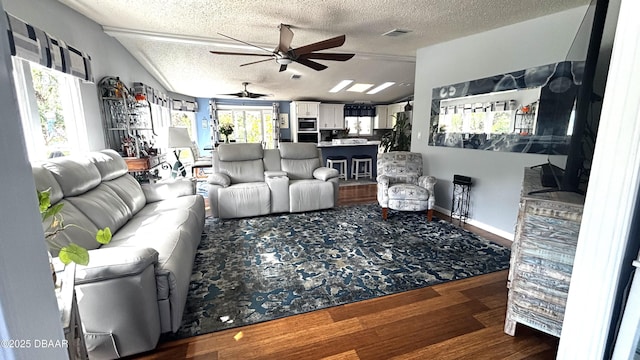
69	314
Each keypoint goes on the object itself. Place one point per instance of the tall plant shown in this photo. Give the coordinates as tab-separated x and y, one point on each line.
399	138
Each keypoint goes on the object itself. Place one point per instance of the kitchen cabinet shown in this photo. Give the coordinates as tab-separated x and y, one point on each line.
382	119
331	116
306	109
393	110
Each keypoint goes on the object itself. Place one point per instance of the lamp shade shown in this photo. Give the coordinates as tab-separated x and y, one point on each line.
178	138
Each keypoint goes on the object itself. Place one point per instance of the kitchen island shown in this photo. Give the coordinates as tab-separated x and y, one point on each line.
350	148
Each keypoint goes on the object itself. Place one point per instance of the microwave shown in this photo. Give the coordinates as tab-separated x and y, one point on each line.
307	124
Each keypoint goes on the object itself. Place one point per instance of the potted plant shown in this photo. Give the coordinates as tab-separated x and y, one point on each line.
72	252
226	130
399	138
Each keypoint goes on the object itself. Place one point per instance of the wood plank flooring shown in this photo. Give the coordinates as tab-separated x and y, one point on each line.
456	320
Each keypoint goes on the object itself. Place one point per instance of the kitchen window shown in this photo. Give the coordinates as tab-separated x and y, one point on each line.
359	125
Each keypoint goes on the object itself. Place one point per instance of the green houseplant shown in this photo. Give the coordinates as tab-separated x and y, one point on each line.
72	252
399	138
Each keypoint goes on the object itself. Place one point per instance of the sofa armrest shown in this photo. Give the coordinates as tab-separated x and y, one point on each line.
274	174
278	182
116	262
325	173
219	179
428	182
168	190
382	180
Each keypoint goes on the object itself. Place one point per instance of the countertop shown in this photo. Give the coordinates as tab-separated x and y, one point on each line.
330	144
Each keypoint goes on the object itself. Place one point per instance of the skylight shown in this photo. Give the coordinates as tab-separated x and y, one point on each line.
380	87
341	85
359	87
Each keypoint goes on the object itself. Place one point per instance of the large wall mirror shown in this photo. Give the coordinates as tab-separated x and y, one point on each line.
527	111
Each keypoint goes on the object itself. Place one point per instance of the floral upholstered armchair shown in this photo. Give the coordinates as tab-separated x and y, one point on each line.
401	185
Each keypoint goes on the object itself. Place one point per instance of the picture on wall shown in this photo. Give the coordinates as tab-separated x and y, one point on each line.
527	111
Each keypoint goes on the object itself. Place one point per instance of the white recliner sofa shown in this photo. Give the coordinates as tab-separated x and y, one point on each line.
249	181
135	287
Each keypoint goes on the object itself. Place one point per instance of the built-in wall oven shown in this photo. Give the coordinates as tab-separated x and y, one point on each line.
311	137
307	124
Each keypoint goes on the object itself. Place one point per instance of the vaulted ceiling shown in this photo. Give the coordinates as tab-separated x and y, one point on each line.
172	39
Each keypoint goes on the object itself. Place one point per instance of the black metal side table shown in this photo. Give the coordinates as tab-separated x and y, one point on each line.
461	198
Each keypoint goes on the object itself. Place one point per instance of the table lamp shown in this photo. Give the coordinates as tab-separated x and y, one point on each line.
178	138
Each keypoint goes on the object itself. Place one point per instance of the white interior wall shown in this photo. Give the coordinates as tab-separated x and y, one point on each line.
109	57
497	176
28	307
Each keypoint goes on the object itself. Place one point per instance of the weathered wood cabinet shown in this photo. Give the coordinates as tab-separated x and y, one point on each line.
542	257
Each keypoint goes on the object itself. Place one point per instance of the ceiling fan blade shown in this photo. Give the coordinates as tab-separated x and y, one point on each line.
255	96
286	35
283	67
246	43
255	62
320	45
239	94
327	56
312	64
235	53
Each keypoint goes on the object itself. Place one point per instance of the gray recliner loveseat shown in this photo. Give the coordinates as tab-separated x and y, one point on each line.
249	181
135	287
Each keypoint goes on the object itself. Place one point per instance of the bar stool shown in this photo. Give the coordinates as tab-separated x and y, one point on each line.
339	160
366	162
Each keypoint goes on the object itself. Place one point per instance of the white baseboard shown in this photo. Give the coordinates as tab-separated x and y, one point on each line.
505	234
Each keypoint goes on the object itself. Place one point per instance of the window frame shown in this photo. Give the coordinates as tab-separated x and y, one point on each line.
70	101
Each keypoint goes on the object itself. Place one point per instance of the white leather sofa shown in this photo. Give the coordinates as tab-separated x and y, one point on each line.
249	181
135	287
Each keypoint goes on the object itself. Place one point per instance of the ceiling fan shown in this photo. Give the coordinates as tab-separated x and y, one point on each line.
285	55
246	93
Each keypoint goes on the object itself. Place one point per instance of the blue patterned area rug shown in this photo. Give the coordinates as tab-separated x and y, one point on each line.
257	269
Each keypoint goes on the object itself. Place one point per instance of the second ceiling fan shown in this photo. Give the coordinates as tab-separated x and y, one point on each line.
285	55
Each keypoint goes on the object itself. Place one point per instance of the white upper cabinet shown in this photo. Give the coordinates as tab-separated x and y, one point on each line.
305	109
382	118
331	116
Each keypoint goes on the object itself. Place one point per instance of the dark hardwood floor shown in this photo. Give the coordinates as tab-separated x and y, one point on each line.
456	320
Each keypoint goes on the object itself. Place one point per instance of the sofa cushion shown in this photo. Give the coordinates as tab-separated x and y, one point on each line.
72	215
103	207
408	192
240	152
129	190
109	164
300	169
76	175
242	200
44	180
271	160
307	195
298	151
243	171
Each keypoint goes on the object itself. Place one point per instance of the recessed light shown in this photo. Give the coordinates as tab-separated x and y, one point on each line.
380	87
341	85
396	32
359	87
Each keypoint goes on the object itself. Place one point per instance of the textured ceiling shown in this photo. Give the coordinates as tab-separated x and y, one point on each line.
172	39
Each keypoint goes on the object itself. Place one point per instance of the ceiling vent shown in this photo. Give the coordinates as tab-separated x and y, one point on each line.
396	32
295	76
